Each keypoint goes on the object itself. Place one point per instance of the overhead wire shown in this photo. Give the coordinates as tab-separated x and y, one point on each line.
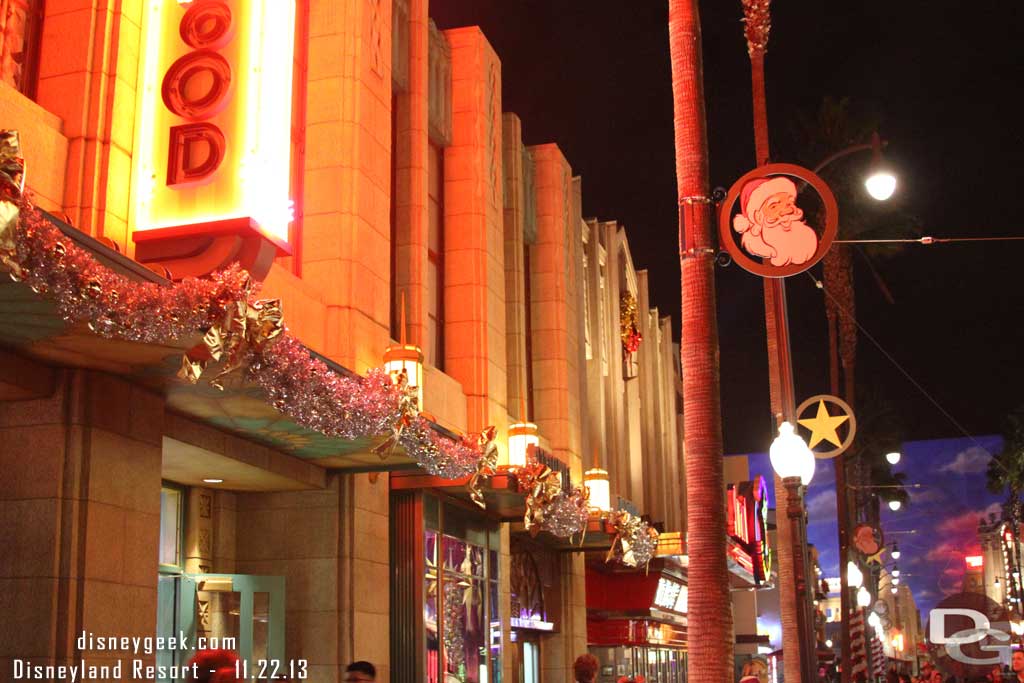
821	285
927	240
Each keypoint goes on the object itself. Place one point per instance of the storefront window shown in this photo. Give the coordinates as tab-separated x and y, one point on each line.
171	523
656	665
460	613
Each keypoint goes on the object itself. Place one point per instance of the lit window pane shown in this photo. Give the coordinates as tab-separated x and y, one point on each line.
170	526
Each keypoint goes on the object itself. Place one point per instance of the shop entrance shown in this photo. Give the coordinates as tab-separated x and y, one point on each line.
236	612
528	657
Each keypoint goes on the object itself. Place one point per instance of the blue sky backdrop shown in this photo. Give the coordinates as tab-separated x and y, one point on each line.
943	513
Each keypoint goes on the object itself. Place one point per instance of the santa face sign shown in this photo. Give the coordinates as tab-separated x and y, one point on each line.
774	236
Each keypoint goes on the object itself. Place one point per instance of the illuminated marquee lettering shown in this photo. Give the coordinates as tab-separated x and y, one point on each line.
213	130
196	150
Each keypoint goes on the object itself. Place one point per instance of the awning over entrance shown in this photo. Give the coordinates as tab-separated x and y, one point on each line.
501	491
599	537
31	326
637	608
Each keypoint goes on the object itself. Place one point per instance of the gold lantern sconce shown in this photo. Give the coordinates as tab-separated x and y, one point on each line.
521	436
406	358
599	485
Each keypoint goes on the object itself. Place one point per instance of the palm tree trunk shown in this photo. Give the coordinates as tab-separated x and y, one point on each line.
839	463
841	306
710	637
757	25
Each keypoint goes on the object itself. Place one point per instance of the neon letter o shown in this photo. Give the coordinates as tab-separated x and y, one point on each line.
183	70
207	25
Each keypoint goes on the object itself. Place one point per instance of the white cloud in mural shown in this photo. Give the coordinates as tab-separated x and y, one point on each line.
963	528
970	461
822	504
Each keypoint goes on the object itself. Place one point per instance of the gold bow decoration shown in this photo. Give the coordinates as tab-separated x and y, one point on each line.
12	184
485	466
408	409
541	485
626	527
635	541
246	328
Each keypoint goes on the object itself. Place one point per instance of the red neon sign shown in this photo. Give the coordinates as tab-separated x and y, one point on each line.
213	122
747	507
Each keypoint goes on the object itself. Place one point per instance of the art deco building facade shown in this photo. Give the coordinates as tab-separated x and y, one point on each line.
136	504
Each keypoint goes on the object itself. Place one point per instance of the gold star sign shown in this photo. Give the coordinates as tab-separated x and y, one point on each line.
823	426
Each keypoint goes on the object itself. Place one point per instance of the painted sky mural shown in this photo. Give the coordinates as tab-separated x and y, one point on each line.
935	531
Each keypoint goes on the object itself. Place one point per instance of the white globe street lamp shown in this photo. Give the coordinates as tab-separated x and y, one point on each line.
863	597
895	551
881	185
790	455
854	577
895	505
893	457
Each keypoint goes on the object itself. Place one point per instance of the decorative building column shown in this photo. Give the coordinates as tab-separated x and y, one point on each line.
616	428
554	287
474	241
331	546
88	70
347	184
409	187
670	428
518	166
655	482
81	511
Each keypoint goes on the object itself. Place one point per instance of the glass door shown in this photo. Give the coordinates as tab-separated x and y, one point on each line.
528	646
237	612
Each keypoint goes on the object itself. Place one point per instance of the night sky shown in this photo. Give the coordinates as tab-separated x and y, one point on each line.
594	77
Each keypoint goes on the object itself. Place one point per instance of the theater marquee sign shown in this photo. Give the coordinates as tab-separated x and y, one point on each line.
213	126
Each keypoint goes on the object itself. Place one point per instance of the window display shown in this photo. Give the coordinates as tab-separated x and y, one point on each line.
460	611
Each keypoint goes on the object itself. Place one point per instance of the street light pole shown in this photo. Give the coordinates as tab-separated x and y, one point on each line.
795	513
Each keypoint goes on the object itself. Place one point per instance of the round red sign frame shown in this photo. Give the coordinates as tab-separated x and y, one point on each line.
727	238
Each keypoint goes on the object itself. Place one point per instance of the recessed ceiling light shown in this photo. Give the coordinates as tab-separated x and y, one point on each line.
213	481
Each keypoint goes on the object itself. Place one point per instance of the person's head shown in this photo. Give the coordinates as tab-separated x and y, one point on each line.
584	669
1018	662
215	666
360	672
